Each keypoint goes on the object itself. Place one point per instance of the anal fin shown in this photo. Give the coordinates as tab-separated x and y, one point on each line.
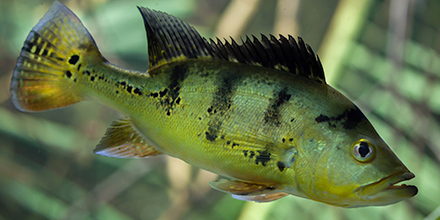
267	197
122	140
248	191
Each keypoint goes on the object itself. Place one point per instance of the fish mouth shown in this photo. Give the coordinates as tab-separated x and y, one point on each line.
387	191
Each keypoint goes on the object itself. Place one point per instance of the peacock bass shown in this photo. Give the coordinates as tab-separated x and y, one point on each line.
259	113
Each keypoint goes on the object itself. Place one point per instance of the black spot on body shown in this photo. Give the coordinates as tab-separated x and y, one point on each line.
129	89
210	136
92	78
348	119
263	157
234	144
353	117
68	74
322	118
252	154
213	130
176	80
73	59
163	93
272	114
79	67
245	152
222	101
281	166
223	96
137	91
170	95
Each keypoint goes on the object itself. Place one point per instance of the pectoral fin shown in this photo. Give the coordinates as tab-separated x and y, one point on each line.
123	140
247	191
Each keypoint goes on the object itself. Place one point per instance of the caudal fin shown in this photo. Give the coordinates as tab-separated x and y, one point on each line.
45	76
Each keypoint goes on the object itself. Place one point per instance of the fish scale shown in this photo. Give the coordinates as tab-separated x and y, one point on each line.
259	113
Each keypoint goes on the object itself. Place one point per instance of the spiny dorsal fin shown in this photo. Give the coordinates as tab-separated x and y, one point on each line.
170	38
281	54
122	140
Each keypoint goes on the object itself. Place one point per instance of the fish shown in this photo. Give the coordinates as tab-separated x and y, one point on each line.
259	114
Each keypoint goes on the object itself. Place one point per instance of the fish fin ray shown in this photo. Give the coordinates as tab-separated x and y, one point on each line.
268	197
44	77
123	140
171	39
237	187
285	54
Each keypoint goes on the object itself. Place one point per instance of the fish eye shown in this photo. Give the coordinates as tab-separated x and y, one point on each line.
363	150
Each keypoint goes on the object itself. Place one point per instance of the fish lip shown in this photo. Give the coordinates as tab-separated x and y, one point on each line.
387	187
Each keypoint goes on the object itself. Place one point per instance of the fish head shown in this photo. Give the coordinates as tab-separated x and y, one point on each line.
354	169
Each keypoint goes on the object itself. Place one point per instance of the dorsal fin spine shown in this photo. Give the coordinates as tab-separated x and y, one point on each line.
249	47
279	52
261	51
171	39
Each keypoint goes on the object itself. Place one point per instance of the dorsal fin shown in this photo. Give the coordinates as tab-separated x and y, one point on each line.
283	54
171	39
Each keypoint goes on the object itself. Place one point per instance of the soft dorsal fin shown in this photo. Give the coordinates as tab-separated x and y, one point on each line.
122	140
282	54
171	39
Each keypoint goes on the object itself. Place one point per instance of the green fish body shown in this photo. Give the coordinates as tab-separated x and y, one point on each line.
259	114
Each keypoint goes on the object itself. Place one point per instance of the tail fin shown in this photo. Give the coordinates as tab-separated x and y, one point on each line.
46	71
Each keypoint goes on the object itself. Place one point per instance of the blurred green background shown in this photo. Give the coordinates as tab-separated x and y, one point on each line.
384	55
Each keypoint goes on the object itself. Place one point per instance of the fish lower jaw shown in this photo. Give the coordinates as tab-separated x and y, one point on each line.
387	191
395	179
